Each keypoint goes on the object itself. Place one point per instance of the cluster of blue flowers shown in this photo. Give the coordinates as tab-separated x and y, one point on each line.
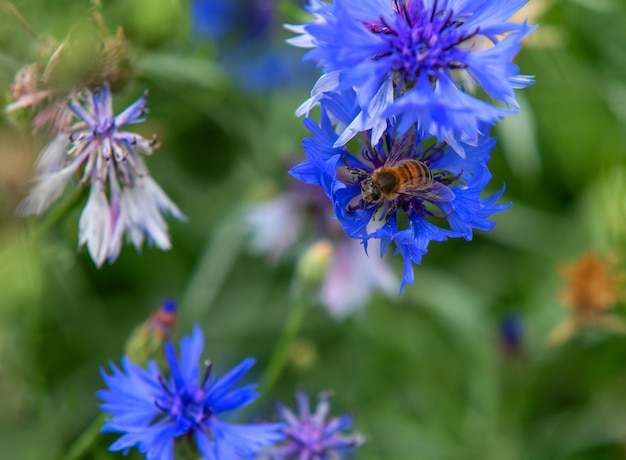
402	144
152	410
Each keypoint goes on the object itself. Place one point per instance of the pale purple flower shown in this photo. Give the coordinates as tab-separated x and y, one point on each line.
354	276
299	217
123	199
315	436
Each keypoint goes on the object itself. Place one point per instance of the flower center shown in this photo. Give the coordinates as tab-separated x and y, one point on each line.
309	437
185	405
422	40
104	129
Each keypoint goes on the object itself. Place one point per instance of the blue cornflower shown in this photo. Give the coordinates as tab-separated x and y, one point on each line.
223	19
437	197
417	61
312	436
243	31
152	409
511	333
123	198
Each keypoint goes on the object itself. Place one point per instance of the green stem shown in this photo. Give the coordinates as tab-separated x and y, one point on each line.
86	439
211	272
280	355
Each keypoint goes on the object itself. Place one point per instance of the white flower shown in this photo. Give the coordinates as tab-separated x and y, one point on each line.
123	199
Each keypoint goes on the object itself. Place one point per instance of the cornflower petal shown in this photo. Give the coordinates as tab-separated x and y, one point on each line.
52	157
94	227
221	387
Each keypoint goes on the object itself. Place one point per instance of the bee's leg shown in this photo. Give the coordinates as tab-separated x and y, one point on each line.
354	171
360	205
359	173
447	179
440	215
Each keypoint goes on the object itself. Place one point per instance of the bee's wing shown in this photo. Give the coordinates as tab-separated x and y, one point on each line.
435	191
402	148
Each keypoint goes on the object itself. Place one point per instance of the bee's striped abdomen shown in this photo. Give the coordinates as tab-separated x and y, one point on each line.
416	171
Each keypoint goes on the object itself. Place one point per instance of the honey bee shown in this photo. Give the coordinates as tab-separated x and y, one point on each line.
387	183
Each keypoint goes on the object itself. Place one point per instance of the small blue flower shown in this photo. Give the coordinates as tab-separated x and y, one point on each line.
152	409
417	61
243	32
123	198
441	200
511	333
222	19
312	436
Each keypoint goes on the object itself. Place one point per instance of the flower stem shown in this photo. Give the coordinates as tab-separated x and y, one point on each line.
86	439
218	258
279	356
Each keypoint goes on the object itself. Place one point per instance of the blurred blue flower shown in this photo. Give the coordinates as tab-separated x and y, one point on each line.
243	31
107	158
446	189
418	61
312	436
511	333
241	19
152	409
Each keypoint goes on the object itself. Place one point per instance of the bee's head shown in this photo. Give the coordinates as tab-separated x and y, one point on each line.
371	193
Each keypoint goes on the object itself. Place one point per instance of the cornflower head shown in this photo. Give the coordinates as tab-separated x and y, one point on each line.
152	410
123	198
82	60
511	334
416	61
314	436
147	340
396	189
27	93
593	288
295	223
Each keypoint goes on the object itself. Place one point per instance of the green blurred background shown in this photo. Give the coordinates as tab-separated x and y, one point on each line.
425	373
